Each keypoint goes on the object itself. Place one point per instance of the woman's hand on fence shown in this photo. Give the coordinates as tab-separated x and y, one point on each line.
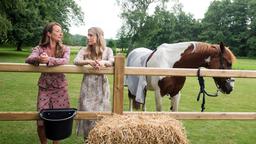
94	64
44	58
104	63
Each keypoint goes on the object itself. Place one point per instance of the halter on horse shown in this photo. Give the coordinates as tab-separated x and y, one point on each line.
177	55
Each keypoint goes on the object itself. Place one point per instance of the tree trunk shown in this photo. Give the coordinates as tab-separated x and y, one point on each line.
19	46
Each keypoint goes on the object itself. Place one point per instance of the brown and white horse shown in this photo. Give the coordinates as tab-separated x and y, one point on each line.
176	55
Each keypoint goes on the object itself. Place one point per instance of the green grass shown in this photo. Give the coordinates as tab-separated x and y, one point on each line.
245	64
18	92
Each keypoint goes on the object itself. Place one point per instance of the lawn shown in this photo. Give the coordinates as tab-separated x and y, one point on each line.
18	92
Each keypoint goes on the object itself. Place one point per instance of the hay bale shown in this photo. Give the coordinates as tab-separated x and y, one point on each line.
136	129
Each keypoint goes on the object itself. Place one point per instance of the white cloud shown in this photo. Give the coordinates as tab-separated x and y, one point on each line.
105	14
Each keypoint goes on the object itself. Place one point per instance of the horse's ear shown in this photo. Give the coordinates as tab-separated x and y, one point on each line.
222	47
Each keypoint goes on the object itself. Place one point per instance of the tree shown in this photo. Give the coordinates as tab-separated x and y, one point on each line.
165	30
27	18
5	23
112	44
122	43
251	28
238	26
25	24
232	22
75	40
136	20
216	22
163	26
176	26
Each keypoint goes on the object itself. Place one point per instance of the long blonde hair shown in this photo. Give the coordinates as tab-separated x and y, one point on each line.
95	51
45	40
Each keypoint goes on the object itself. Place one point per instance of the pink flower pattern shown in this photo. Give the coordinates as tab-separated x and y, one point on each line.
53	87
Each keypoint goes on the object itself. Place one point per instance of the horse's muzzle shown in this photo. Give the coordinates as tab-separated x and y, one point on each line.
229	85
231	81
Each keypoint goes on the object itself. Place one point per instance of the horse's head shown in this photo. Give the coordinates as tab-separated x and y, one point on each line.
223	59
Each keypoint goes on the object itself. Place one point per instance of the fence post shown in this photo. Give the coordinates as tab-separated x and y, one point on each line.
118	86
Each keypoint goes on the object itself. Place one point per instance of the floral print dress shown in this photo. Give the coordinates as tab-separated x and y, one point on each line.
94	93
53	90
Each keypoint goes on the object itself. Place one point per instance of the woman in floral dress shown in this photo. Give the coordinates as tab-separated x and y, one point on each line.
95	91
53	90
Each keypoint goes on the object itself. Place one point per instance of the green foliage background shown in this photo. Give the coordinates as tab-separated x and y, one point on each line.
230	21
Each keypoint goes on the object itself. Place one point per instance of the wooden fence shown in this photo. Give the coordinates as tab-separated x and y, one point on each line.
119	71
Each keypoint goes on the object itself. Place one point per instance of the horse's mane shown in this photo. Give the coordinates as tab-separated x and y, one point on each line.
233	57
211	48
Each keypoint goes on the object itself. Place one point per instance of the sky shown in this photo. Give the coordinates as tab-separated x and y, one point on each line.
105	14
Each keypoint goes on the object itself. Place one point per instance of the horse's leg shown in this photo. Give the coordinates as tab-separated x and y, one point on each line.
144	107
130	101
144	104
175	102
158	100
130	104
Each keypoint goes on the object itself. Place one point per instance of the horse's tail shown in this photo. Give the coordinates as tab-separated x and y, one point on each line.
136	105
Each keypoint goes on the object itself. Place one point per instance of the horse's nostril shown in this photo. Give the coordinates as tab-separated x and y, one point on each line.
229	90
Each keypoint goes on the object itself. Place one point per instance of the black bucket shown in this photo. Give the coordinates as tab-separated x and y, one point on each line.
58	122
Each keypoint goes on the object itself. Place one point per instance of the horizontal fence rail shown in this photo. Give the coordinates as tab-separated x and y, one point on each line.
118	72
26	116
190	72
20	67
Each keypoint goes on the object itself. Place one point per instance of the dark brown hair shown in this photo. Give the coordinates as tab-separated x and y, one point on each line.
45	40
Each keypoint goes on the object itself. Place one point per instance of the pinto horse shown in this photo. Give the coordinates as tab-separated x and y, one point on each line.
176	55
